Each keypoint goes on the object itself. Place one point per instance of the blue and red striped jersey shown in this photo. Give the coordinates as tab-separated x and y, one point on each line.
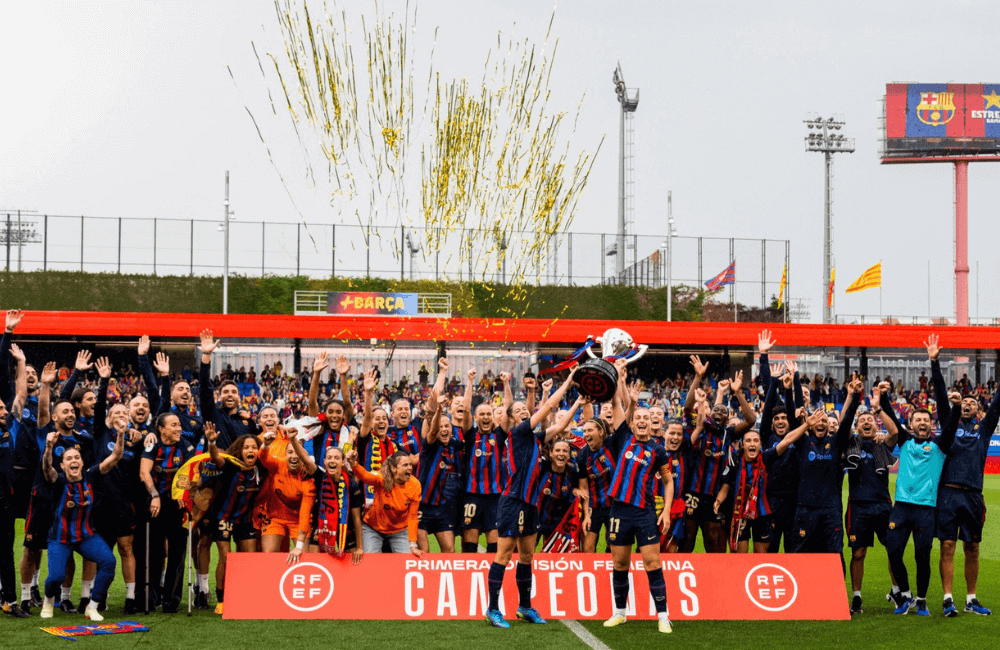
406	438
599	467
752	477
236	493
524	450
71	521
554	493
710	455
81	441
637	464
440	467
485	467
167	459
678	467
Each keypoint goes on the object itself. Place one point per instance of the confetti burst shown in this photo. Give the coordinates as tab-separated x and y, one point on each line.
498	178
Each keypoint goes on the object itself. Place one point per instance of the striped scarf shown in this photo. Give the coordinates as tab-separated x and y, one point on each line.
334	514
747	498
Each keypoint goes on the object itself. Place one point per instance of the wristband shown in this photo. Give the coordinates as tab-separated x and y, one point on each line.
413	545
299	544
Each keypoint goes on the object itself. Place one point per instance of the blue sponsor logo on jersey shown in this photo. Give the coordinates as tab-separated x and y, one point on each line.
59	450
111	446
814	456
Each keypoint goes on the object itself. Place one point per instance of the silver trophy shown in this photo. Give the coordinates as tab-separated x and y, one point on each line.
597	377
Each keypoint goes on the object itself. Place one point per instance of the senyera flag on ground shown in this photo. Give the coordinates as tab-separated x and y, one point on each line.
571	586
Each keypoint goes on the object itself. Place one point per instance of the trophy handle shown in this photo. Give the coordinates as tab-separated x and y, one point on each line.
642	350
590	349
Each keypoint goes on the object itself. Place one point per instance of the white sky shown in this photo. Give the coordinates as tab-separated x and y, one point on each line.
122	109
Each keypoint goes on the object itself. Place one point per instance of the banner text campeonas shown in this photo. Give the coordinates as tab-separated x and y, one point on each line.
572	586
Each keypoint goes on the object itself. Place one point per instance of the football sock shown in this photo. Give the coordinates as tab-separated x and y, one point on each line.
85	587
969	598
491	547
495	582
470	547
619	585
657	589
130	590
523	578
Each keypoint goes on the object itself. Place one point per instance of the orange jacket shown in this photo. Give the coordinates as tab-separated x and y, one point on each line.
291	496
394	510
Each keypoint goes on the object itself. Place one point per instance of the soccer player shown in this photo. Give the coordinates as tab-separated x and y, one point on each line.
7	596
405	435
114	514
339	499
961	508
231	515
559	485
440	474
597	462
72	531
921	460
374	445
868	503
819	515
336	413
751	514
393	515
485	445
516	514
288	504
638	460
60	418
710	454
167	537
678	452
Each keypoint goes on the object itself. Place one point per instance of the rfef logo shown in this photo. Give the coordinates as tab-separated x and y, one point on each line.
306	587
771	587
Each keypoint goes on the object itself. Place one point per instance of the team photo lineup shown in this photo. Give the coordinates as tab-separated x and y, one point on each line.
143	472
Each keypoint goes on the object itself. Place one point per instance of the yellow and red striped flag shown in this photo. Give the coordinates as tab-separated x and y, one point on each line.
781	289
870	279
829	291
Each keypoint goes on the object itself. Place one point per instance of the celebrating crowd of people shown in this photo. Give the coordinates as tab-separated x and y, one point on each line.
347	466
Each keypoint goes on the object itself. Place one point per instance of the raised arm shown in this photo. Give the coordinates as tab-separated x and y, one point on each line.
508	393
431	424
307	461
792	436
13	320
749	416
466	424
162	367
116	454
83	364
206	391
553	401
530	386
343	372
369	407
20	382
937	379
48	471
101	405
319	365
699	372
563	421
617	401
851	404
989	422
46	382
767	413
148	376
888	413
764	345
892	431
212	435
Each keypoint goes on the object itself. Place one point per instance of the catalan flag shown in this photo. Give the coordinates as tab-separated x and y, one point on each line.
728	276
870	279
781	289
829	291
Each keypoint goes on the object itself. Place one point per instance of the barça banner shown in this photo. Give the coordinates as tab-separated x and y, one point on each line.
566	586
928	120
367	303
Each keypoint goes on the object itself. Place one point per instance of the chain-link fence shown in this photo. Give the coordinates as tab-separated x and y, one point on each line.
194	247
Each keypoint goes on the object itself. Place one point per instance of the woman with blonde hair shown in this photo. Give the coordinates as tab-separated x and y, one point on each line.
393	515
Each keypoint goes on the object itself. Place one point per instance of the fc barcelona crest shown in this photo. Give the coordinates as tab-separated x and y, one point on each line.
936	109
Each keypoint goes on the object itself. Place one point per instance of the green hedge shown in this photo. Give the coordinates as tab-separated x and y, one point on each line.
77	291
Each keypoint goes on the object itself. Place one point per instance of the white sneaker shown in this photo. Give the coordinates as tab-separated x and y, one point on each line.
664	626
47	609
615	620
95	616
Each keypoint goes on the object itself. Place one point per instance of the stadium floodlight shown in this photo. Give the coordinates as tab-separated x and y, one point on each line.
828	143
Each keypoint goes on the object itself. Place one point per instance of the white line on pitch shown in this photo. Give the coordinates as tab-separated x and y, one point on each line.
581	633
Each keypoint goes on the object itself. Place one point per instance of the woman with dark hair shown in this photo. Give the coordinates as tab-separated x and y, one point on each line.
167	535
231	514
336	413
393	515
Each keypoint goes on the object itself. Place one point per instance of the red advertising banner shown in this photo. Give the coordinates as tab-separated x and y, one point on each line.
571	586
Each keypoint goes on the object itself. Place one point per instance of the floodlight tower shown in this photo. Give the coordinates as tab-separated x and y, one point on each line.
826	139
629	101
